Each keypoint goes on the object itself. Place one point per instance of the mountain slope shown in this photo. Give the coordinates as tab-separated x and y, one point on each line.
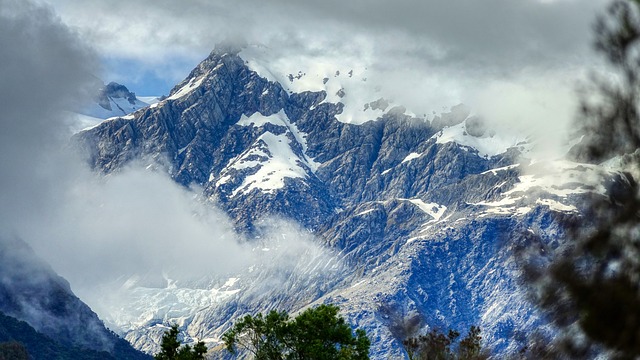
423	219
40	346
31	292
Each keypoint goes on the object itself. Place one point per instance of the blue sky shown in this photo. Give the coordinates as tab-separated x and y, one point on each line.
143	79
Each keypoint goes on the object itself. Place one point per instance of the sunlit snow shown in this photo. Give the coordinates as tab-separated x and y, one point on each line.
410	157
145	305
551	182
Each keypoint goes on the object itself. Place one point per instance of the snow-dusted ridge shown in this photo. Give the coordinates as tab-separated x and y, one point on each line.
119	107
188	88
114	102
432	209
344	83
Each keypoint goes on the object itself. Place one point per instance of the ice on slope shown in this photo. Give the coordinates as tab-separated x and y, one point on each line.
556	205
146	305
432	209
94	114
271	156
410	157
562	178
281	163
149	99
365	212
344	83
504	168
86	123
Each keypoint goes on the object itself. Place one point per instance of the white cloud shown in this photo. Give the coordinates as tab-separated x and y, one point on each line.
135	222
427	55
498	31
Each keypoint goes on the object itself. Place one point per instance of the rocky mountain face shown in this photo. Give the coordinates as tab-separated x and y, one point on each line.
32	292
423	219
115	91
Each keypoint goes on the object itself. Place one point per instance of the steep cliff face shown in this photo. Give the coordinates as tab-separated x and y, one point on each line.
32	292
422	217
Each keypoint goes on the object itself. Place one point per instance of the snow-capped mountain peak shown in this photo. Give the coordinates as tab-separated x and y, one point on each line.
425	214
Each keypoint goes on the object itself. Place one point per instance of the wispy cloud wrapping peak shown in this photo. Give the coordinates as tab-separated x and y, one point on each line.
476	38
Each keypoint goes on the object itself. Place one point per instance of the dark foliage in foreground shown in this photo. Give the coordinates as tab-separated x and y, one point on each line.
591	288
171	348
13	350
316	334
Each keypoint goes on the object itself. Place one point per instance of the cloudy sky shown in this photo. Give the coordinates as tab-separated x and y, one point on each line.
152	44
516	62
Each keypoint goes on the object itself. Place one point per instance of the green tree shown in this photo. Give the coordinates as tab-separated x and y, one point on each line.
471	347
316	334
321	334
170	348
263	336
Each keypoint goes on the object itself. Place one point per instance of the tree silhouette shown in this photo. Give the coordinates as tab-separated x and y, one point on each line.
591	288
170	348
